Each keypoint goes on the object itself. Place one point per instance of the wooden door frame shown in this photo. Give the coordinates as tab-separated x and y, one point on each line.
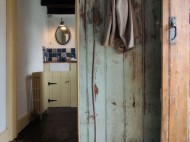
77	7
165	70
11	105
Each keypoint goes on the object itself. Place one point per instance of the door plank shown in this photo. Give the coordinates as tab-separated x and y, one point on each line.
179	74
133	85
134	95
83	67
165	72
65	94
175	74
115	97
56	93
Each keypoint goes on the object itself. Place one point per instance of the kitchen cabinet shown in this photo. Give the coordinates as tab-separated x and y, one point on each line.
62	86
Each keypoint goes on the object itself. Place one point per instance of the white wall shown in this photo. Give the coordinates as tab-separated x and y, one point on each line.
32	35
53	23
3	65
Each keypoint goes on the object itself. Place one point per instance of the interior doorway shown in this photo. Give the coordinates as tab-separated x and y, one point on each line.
38	47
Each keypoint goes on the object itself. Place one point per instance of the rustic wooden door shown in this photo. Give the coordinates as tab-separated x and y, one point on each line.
175	72
119	93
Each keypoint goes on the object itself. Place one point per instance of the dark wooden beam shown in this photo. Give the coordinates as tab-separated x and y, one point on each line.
61	6
61	11
57	2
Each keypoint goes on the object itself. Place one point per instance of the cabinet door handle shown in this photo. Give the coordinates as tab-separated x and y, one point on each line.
49	83
51	100
66	81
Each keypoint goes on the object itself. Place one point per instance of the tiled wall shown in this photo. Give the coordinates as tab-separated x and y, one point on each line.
58	54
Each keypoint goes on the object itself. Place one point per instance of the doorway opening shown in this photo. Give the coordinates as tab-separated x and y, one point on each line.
47	71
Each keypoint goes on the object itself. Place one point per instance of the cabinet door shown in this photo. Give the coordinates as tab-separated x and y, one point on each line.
60	93
55	92
66	91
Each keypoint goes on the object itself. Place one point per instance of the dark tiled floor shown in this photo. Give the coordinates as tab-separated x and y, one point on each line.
60	125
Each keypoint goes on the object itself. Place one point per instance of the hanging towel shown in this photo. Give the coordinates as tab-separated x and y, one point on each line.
120	27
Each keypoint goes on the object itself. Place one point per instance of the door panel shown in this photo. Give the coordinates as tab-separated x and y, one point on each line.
165	71
175	77
65	92
55	93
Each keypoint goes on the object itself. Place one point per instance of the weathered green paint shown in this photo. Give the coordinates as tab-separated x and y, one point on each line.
126	86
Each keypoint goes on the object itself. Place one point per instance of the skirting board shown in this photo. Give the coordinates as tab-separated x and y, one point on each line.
22	123
4	136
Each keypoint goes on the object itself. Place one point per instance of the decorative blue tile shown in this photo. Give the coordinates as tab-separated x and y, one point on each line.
46	54
58	50
63	50
72	50
63	54
68	54
73	55
50	54
54	54
49	50
54	50
59	54
49	59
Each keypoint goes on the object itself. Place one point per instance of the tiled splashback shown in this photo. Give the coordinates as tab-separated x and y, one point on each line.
59	54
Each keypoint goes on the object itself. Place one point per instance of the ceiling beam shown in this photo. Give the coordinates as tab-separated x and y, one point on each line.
61	11
61	6
57	2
